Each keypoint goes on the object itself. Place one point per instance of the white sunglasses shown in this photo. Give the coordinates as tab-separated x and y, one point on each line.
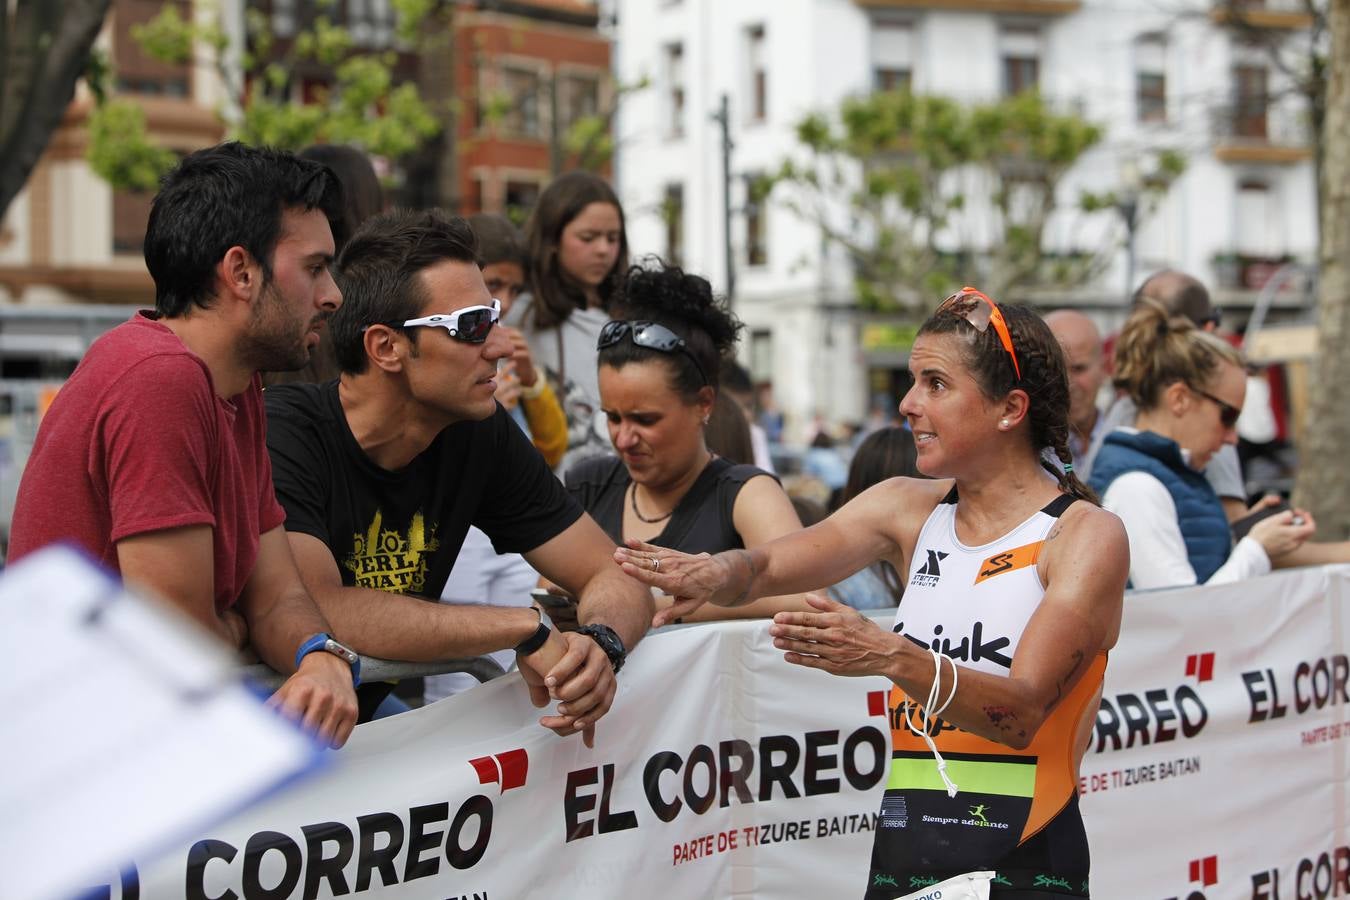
470	324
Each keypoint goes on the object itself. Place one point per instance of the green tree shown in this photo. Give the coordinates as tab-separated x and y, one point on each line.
365	106
924	193
44	50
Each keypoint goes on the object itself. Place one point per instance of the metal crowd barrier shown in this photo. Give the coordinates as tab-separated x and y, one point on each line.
481	667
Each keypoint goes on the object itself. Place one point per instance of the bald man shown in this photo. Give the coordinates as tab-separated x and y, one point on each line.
1082	345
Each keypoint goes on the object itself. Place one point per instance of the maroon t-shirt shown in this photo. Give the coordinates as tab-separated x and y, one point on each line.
137	441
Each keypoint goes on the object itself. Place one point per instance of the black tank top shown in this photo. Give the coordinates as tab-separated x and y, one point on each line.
702	521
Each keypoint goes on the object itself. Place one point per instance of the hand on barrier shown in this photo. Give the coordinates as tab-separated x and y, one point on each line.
692	579
320	696
838	639
573	669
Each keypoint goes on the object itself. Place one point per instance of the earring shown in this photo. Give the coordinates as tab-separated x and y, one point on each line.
706	419
1003	423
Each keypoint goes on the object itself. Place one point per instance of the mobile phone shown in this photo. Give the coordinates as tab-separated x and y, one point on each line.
552	600
1244	524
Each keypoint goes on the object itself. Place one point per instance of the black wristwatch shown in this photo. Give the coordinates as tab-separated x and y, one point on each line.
609	642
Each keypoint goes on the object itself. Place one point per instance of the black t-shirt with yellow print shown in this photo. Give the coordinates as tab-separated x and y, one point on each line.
401	531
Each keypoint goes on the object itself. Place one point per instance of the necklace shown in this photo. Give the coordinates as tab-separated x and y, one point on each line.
639	514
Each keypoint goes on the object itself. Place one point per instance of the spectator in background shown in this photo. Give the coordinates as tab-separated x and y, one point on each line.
1188	387
152	456
824	461
526	395
1083	357
885	453
770	417
362	197
659	368
736	384
1180	294
728	432
480	574
578	252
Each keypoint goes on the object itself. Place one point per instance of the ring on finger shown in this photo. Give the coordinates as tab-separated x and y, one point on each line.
656	564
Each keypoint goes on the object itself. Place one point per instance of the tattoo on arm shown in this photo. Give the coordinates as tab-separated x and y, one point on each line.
1064	682
749	582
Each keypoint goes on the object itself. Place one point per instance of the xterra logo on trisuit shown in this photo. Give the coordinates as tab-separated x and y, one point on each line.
930	573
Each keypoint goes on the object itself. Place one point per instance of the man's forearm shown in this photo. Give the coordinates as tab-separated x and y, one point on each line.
612	598
397	626
278	628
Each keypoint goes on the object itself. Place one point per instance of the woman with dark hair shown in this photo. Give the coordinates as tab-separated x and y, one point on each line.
885	453
1016	580
578	251
658	374
1188	387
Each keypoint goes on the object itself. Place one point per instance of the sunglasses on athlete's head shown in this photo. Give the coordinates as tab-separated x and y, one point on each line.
647	334
977	309
1228	415
470	324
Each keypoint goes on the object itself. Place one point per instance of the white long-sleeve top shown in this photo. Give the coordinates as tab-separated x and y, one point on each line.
1157	551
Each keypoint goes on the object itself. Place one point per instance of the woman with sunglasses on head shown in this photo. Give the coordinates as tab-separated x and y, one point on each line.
1188	387
658	377
1015	583
578	251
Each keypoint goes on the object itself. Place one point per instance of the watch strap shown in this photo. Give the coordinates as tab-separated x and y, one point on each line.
323	641
534	641
609	641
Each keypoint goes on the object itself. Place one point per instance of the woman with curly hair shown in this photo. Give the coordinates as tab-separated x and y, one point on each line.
658	374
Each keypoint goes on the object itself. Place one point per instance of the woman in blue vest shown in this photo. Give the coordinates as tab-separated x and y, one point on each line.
1188	386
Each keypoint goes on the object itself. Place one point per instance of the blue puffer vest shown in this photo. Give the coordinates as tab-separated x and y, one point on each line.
1204	527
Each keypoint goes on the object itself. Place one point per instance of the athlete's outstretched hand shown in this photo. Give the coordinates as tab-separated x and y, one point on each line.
838	639
692	579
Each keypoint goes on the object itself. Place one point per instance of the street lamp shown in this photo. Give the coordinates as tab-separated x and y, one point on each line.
723	118
1127	204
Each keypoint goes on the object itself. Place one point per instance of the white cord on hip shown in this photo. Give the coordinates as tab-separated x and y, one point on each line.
929	713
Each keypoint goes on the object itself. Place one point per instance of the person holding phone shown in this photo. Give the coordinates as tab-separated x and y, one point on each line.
1188	387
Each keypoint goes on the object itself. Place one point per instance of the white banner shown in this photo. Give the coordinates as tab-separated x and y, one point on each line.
1218	770
1218	766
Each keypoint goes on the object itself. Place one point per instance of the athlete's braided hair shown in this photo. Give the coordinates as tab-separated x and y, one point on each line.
1044	378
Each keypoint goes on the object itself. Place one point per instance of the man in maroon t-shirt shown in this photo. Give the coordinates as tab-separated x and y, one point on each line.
152	458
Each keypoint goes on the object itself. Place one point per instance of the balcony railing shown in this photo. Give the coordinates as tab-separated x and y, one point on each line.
1243	272
1251	130
1291	14
1006	7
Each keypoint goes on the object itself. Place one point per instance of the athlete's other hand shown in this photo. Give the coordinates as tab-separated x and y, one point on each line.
837	639
692	579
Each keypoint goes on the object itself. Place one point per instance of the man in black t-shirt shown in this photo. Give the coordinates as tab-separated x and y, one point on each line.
382	472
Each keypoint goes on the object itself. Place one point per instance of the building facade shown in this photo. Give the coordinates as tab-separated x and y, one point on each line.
1174	76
